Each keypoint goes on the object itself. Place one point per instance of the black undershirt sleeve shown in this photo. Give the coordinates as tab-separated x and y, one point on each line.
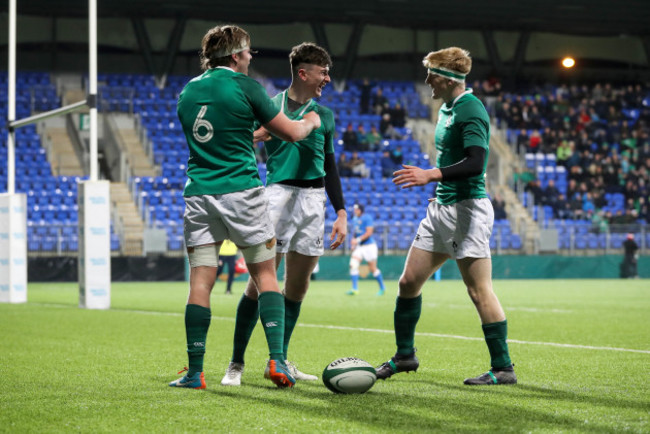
333	183
469	166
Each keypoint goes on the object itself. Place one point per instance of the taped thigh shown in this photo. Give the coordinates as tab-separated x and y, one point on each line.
259	252
204	256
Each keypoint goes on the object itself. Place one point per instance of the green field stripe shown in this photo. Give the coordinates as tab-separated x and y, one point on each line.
372	330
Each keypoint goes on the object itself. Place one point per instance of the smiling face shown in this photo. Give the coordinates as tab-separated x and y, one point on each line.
315	78
243	61
440	87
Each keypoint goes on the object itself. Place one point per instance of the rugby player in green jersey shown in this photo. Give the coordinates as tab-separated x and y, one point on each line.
224	196
458	222
299	174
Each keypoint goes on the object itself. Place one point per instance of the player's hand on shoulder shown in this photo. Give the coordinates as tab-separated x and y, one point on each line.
261	135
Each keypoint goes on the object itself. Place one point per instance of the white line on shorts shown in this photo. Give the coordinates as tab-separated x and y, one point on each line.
370	330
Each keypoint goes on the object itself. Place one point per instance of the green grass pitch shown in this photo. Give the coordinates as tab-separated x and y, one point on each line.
581	349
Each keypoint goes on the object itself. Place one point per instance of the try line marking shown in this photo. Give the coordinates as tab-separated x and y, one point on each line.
370	330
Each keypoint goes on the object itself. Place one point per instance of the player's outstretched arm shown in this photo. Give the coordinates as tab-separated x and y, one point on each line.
411	176
293	131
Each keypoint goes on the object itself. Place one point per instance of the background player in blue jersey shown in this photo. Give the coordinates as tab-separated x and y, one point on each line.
364	248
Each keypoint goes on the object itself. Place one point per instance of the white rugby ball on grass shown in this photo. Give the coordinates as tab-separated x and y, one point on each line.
349	375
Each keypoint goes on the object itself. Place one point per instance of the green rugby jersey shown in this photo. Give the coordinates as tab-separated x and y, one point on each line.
218	110
305	159
462	123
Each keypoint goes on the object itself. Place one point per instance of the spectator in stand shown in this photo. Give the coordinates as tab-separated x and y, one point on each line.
572	188
373	138
397	156
588	206
534	118
533	143
576	173
387	129
499	206
364	97
644	209
563	153
515	119
398	115
350	139
550	193
522	142
547	147
599	223
644	151
534	187
379	101
362	142
561	208
359	166
575	204
344	165
387	165
574	159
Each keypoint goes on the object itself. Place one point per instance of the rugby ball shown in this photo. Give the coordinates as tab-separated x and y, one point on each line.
349	375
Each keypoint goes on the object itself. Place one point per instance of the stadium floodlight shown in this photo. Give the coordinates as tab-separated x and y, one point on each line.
568	62
93	200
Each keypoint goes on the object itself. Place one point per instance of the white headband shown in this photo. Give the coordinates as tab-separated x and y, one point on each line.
448	73
242	47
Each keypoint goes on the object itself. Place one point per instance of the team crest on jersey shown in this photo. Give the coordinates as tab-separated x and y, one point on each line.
450	120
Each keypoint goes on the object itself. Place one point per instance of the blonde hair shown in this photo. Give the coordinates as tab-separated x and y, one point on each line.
453	58
220	42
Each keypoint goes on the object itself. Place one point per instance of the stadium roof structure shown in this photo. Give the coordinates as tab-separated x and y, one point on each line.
579	17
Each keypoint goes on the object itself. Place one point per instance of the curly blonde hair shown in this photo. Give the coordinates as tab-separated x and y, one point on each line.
452	58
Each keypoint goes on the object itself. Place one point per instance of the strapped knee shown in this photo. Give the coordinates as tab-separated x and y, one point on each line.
354	265
376	273
204	256
259	252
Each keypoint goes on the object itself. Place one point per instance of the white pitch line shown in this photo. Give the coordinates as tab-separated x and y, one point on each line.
370	330
506	308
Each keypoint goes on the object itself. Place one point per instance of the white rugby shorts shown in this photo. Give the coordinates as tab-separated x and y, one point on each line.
298	215
461	230
242	217
366	252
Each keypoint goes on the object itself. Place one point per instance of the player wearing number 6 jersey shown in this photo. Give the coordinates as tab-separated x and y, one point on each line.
224	197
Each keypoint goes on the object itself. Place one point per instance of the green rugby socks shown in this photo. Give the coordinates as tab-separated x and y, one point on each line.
407	314
247	315
496	334
197	323
272	316
291	313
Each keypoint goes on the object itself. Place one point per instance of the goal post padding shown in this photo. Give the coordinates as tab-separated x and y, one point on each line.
94	245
